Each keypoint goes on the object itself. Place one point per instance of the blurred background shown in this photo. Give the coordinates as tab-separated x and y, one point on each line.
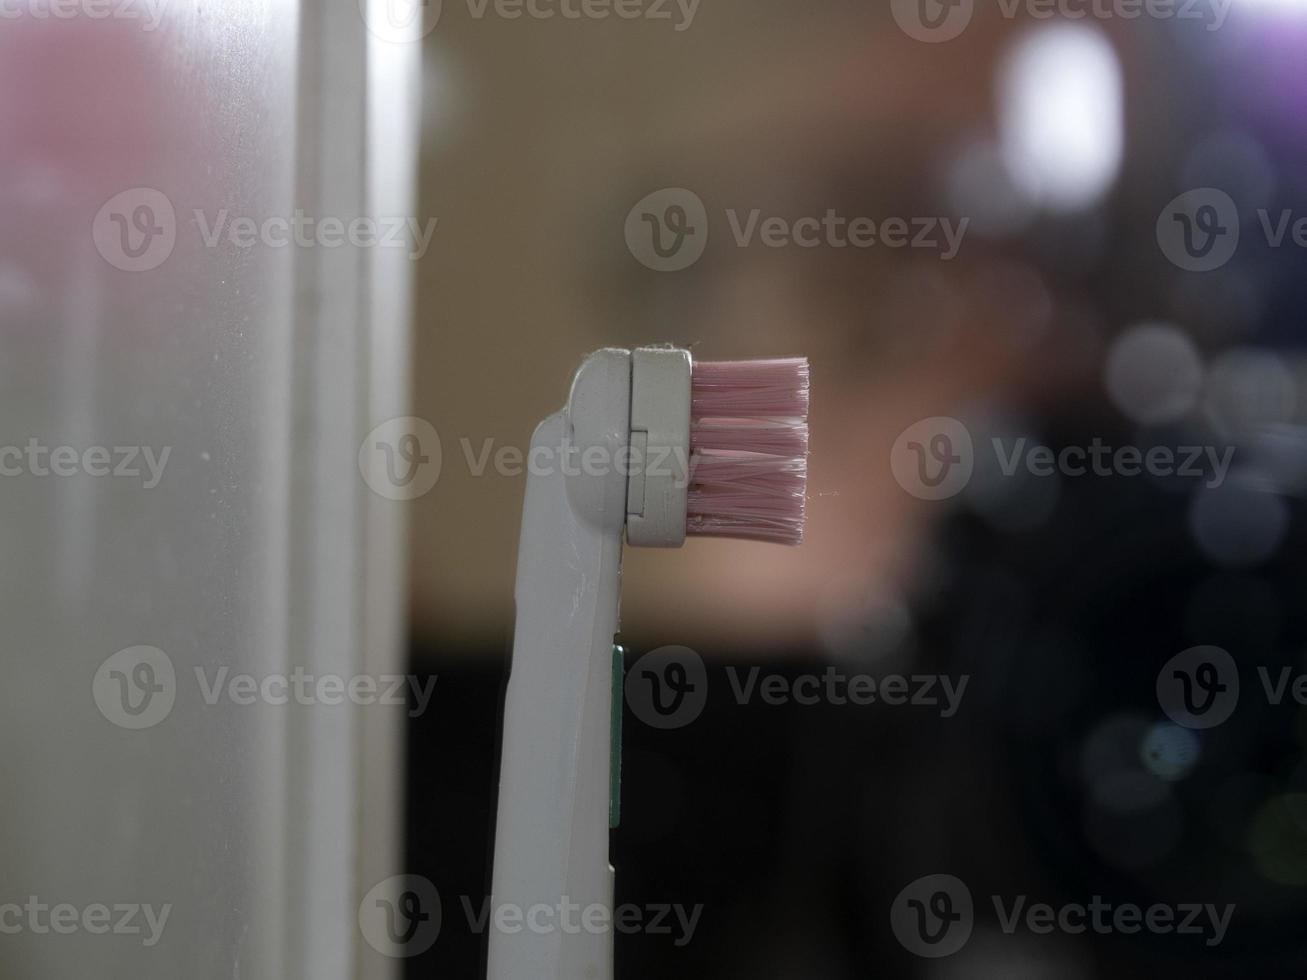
1122	182
1040	654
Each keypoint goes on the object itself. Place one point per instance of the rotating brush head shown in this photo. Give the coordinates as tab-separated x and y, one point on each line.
748	449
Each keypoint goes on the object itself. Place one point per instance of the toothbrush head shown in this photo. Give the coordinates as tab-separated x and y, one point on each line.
721	448
748	449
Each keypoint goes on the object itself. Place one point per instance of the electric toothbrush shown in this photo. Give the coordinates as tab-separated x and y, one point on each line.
652	446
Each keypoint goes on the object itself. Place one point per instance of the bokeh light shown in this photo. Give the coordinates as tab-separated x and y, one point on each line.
1154	373
1061	115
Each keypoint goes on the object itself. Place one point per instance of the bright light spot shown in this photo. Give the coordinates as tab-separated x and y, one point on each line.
1061	116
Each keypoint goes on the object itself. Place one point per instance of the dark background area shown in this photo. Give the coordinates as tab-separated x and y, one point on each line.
1062	319
796	825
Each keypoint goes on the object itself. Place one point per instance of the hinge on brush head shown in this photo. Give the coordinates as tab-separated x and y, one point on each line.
660	447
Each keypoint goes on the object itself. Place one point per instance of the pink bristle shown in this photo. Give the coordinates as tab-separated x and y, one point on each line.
750	389
749	440
748	495
779	437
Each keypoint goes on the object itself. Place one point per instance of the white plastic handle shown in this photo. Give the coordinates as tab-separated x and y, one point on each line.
551	837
